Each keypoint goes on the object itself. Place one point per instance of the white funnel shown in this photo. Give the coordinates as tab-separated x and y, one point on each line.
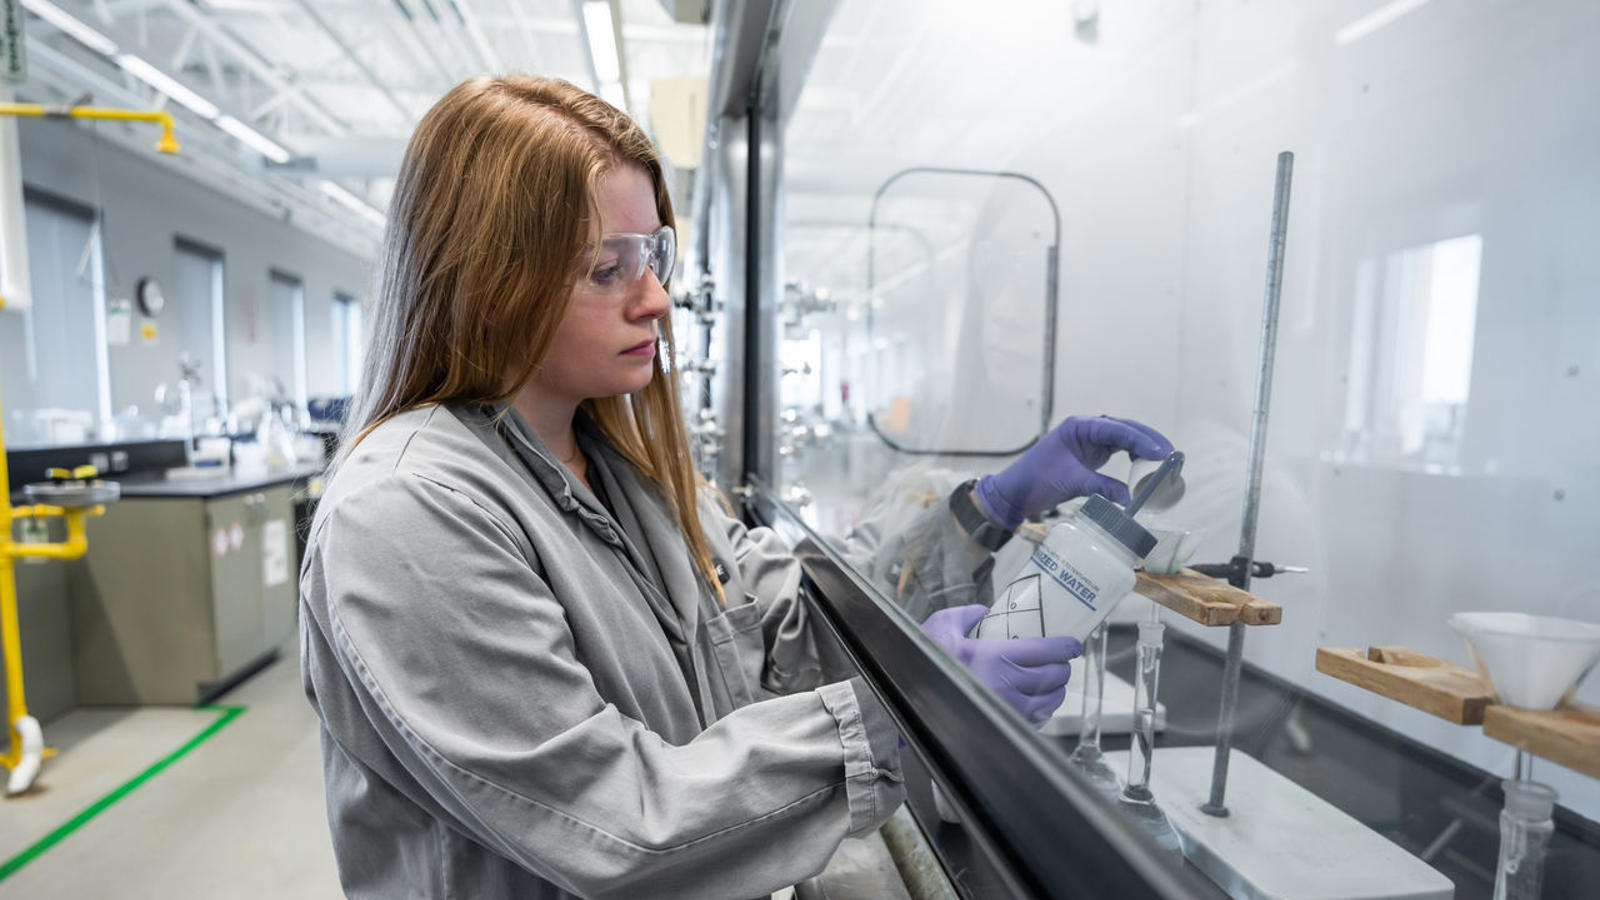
1531	661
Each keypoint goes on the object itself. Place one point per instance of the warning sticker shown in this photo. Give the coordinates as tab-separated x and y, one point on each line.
275	552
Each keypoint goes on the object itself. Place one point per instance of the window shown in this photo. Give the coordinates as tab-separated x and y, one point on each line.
286	302
202	322
1414	326
347	344
53	365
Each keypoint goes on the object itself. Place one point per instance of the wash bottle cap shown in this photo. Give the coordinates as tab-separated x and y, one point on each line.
1118	524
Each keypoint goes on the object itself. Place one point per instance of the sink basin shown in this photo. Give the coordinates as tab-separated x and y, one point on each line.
74	494
1531	661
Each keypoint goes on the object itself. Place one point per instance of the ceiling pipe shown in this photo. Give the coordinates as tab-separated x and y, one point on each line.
258	66
524	28
410	31
588	46
460	54
406	115
479	39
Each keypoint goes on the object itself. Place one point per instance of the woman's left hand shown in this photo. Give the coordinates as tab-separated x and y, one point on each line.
1062	466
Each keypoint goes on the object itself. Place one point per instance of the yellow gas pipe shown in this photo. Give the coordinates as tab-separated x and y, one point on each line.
167	144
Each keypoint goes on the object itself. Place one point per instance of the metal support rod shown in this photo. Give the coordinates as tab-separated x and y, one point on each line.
1228	708
1268	356
1226	714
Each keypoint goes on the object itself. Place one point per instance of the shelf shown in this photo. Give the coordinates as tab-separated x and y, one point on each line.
1569	736
1450	691
1209	601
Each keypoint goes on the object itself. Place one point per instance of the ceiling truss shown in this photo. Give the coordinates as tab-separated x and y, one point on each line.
346	80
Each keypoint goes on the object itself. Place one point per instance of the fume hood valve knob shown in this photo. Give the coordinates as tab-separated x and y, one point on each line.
700	299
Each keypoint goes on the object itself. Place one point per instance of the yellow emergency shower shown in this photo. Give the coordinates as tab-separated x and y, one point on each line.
77	495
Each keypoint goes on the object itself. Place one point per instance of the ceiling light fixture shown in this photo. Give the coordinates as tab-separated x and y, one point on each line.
602	35
264	145
79	32
337	192
602	40
168	85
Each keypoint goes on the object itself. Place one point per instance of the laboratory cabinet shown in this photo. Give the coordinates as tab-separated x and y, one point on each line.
179	597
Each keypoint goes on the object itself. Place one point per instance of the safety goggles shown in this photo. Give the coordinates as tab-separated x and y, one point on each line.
623	259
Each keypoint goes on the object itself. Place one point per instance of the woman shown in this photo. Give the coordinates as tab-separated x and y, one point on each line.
546	665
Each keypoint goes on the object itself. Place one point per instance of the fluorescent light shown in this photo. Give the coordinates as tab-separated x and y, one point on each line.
1375	20
336	191
602	41
254	139
159	80
80	32
168	85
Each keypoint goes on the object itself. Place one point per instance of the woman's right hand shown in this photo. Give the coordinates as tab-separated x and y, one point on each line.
1062	466
1029	674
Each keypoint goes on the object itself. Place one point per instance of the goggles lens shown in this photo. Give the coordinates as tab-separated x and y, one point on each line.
623	259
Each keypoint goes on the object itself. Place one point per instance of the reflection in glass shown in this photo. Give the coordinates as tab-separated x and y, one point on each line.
961	283
1087	756
1414	324
1138	801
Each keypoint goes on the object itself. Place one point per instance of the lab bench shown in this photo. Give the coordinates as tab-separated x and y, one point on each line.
188	587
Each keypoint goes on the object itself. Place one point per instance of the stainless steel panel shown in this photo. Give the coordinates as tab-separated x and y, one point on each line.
236	581
142	621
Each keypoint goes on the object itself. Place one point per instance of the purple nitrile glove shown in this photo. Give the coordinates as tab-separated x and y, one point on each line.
1062	466
1029	674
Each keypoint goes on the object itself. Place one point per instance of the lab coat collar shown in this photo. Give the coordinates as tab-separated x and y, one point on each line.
677	611
657	526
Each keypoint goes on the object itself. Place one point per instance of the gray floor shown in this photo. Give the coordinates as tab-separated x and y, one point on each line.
239	817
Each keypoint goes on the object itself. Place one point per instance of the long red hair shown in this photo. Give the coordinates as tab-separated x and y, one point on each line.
491	212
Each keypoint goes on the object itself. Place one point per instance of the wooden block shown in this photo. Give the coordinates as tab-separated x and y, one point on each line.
1428	683
1569	736
1206	600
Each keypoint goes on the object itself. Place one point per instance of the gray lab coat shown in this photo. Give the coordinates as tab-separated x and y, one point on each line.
909	543
522	696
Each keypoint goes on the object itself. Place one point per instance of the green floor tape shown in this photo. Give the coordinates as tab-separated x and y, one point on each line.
10	866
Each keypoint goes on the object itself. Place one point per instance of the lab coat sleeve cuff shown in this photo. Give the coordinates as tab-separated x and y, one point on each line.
873	781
